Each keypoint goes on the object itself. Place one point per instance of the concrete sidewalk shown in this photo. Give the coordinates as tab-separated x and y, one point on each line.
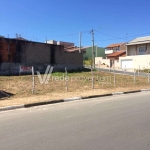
68	100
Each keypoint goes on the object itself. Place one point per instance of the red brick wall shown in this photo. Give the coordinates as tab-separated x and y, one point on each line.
7	47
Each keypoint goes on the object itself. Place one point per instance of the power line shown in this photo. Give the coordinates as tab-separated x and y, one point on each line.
108	34
139	34
122	37
43	38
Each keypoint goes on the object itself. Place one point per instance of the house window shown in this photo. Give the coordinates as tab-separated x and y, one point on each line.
115	48
142	50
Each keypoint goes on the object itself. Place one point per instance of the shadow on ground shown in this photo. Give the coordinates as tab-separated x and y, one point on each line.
4	94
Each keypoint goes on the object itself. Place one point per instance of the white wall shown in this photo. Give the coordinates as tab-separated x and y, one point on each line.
102	61
108	52
116	64
142	60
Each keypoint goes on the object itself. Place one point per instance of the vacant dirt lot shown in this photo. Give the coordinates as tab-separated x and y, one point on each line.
79	84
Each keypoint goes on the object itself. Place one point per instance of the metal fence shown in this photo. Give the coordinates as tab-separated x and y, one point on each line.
59	82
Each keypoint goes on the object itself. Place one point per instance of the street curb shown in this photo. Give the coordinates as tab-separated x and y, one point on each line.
43	103
132	92
72	99
67	100
95	96
11	107
117	93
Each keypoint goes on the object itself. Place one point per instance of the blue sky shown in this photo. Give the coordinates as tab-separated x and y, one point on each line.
112	20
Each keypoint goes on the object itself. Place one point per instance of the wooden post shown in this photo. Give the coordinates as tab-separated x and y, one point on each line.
33	80
99	67
114	77
134	77
139	70
92	78
66	80
124	69
148	77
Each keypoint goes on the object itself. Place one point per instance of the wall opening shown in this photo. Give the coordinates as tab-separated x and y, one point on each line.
52	58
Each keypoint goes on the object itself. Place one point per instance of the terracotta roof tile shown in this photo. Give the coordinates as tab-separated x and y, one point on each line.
70	47
116	54
115	45
123	55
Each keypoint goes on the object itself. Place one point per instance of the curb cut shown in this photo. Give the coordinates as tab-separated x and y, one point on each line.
117	93
143	90
72	99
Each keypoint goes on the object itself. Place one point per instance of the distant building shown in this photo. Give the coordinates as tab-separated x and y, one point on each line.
51	42
99	52
65	44
137	54
115	48
1	36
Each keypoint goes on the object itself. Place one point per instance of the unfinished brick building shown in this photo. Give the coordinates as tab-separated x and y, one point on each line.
17	52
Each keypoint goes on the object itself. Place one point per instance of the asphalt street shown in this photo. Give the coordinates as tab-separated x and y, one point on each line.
119	122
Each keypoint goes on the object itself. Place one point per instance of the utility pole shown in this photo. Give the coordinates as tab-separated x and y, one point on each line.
96	50
80	35
93	52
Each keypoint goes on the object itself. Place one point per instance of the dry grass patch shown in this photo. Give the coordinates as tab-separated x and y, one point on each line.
79	84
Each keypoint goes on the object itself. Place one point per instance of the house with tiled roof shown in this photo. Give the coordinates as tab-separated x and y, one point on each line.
115	48
73	49
116	55
114	58
137	54
114	51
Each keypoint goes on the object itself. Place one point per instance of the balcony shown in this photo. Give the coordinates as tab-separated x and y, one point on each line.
108	52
